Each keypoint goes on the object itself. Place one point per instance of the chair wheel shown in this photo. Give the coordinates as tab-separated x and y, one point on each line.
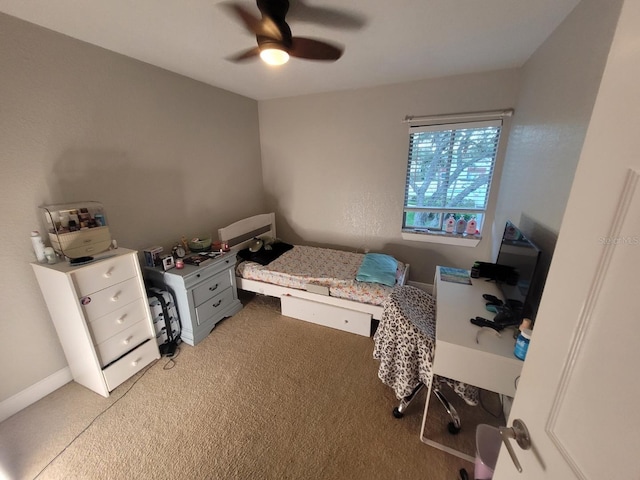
453	429
397	413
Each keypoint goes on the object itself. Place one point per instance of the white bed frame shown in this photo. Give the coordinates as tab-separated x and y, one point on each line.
311	306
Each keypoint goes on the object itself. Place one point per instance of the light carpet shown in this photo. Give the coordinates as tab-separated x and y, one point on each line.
262	397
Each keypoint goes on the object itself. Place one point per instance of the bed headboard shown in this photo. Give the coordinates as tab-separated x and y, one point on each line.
238	235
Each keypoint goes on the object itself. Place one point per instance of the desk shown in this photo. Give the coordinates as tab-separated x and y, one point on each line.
487	363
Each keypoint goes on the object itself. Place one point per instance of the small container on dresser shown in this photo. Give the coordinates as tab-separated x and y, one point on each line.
205	294
101	314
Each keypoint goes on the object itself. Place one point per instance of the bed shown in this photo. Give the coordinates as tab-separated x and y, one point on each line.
314	284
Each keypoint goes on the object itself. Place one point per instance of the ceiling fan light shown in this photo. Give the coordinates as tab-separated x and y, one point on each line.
274	56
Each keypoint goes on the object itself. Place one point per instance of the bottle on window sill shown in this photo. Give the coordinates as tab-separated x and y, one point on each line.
472	227
450	225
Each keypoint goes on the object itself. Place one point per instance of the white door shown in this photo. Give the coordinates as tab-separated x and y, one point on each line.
579	392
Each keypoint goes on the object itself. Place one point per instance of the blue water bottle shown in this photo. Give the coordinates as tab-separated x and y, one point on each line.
522	344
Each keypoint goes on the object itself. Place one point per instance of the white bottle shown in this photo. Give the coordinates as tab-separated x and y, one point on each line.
38	246
450	225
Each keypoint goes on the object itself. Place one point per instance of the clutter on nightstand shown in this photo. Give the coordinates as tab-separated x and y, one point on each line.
152	256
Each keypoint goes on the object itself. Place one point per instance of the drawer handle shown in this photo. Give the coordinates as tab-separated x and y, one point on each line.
115	297
121	319
215	287
108	273
217	304
127	340
135	362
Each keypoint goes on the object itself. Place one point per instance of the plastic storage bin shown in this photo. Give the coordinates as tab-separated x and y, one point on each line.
77	230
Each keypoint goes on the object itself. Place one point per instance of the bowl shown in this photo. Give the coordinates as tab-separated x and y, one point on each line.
200	244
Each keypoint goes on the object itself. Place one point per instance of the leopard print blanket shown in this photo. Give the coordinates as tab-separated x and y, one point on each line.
405	343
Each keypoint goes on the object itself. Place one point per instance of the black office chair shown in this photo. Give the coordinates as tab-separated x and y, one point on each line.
405	344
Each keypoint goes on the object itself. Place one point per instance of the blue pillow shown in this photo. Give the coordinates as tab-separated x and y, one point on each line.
378	268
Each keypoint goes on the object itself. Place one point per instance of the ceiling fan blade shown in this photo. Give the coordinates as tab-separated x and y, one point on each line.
314	49
258	26
246	55
326	16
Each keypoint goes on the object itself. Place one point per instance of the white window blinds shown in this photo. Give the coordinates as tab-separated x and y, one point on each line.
451	166
450	169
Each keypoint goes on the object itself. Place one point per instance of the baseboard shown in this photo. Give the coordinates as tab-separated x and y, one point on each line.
427	287
32	394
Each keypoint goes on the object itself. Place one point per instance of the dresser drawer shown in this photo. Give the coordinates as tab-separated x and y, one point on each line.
204	272
112	298
122	342
211	287
214	306
118	320
106	272
130	364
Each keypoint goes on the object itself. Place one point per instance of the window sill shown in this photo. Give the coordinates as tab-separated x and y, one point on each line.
460	240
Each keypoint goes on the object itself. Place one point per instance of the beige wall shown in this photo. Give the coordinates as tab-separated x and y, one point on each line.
559	86
335	164
167	156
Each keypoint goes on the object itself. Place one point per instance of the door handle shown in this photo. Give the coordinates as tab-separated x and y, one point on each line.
519	432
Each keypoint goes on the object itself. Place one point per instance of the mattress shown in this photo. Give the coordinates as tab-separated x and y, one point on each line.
333	269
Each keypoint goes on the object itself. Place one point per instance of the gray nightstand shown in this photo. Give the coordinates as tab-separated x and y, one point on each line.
204	295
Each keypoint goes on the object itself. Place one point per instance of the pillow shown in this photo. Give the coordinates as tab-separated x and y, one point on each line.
264	256
378	268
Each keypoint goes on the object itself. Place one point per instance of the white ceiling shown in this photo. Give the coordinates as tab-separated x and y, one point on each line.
399	41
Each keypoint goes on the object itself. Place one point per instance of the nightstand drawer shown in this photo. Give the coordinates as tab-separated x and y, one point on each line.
105	301
203	272
104	273
214	306
108	325
130	364
211	287
122	342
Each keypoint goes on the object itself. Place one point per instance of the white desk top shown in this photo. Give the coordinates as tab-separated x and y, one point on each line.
483	359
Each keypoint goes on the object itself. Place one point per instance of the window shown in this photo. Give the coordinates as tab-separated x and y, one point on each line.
449	173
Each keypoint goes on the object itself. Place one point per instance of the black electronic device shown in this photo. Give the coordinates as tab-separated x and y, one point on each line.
492	299
80	261
493	271
507	317
483	322
523	257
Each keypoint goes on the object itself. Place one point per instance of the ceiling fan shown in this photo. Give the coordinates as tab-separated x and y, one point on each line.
275	41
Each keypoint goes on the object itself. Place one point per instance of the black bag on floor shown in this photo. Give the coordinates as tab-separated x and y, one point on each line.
165	320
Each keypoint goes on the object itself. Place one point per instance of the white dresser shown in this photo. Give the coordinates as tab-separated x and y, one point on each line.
101	314
204	295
